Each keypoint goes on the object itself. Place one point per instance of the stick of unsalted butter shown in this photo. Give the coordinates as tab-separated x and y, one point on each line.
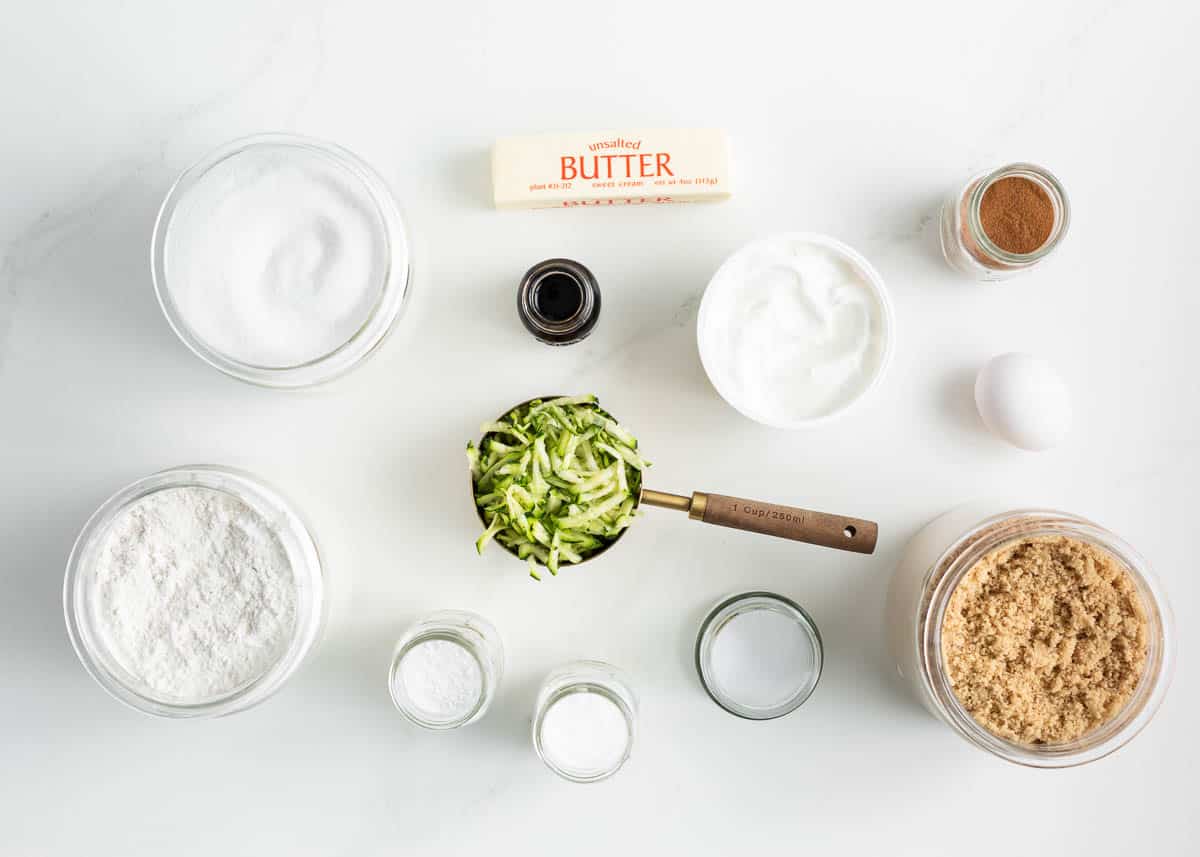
622	168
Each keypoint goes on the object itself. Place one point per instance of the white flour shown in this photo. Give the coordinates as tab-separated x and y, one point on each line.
441	679
195	593
584	732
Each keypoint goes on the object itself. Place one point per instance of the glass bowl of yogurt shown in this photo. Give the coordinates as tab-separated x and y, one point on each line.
281	260
194	592
794	329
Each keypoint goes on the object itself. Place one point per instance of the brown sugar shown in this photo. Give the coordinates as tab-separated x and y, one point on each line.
1016	214
1044	640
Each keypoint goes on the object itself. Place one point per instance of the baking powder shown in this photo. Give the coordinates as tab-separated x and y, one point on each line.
441	679
276	256
195	594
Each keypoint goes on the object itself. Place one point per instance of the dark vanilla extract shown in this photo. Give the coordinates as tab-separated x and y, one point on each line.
557	297
558	301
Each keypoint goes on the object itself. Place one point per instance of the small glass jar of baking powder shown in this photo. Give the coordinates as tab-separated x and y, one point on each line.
584	721
938	558
966	243
446	669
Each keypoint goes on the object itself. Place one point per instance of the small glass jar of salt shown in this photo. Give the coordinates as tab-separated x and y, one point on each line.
584	721
446	669
759	655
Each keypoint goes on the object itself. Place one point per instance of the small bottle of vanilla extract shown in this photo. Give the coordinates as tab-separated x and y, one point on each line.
559	301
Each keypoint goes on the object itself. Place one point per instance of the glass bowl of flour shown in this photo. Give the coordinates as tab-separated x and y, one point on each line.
281	260
194	592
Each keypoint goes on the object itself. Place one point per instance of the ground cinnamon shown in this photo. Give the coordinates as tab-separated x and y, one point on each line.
1016	214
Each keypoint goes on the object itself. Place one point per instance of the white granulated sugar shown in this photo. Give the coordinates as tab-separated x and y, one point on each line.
762	658
195	593
441	679
584	732
276	256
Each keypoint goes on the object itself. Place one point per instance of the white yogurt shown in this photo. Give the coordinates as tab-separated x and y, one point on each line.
276	256
794	328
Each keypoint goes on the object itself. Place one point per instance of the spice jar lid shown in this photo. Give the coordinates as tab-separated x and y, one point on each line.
759	655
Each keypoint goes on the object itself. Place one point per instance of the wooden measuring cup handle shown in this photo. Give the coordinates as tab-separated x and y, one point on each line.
786	522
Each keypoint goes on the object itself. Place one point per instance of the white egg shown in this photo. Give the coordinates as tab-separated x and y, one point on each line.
1024	401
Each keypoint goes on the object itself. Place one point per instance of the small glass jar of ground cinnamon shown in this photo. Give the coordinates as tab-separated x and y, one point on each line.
1004	221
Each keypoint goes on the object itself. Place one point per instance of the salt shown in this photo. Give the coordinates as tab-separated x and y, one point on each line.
762	658
584	733
441	679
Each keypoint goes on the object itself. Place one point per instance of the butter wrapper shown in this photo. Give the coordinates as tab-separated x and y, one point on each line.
606	169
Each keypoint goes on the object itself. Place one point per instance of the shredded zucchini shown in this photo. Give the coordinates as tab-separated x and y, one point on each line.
556	480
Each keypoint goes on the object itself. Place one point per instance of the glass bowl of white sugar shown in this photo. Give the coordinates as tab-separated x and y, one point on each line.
281	260
194	592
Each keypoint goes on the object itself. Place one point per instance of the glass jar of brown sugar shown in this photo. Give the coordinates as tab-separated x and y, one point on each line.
1069	671
1004	221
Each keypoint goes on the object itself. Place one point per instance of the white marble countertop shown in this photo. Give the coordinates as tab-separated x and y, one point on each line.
849	119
